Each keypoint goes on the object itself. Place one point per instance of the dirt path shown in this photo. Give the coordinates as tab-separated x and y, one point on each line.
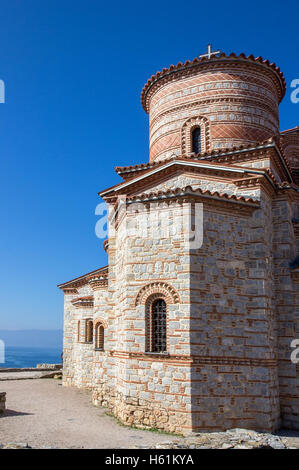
43	413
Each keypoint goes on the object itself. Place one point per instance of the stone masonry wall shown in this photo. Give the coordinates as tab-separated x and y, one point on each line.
77	355
159	384
222	330
233	327
287	307
222	368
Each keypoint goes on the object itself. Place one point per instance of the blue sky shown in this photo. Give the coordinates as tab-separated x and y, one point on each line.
73	69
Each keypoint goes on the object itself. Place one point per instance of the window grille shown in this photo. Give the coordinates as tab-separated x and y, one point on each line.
158	321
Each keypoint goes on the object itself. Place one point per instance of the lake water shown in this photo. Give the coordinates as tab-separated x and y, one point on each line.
29	357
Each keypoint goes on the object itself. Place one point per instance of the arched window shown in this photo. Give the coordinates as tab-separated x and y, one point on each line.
89	331
157	331
196	140
99	337
79	332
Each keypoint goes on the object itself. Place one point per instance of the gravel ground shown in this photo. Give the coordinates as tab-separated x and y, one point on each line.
43	413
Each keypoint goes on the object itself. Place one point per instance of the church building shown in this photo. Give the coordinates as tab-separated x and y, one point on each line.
190	326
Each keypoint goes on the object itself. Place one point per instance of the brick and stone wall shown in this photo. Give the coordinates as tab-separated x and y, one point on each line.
287	307
215	350
234	101
232	300
224	320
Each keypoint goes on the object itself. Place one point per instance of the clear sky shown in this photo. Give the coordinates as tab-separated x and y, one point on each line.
72	69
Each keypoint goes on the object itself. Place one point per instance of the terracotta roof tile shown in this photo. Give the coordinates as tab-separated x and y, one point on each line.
204	60
200	156
101	271
77	299
192	192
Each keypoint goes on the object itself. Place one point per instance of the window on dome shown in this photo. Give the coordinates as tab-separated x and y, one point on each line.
196	140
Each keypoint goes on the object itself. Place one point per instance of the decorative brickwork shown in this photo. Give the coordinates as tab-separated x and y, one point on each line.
186	337
157	289
99	336
187	129
237	97
88	330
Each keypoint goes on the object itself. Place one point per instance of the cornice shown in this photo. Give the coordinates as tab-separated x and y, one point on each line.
202	166
83	302
81	280
176	71
254	182
187	194
196	359
70	290
99	282
106	245
233	155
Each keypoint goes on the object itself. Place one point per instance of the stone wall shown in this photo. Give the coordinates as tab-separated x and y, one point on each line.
233	323
146	379
221	370
285	249
224	319
229	304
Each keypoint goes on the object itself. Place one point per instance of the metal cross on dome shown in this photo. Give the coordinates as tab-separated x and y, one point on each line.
210	52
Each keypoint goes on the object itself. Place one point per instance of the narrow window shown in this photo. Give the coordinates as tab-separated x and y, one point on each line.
79	332
196	140
158	321
89	331
100	336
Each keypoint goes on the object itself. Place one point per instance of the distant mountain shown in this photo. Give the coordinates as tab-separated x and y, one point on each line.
32	338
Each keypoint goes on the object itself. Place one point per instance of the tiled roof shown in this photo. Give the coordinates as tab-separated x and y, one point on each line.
192	192
290	131
204	164
214	59
181	161
123	170
77	299
103	271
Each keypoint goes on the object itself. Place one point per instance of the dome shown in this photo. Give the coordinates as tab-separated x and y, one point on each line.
227	101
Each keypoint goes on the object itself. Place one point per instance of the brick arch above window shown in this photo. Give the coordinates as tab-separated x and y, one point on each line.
186	134
100	320
156	290
88	330
99	336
